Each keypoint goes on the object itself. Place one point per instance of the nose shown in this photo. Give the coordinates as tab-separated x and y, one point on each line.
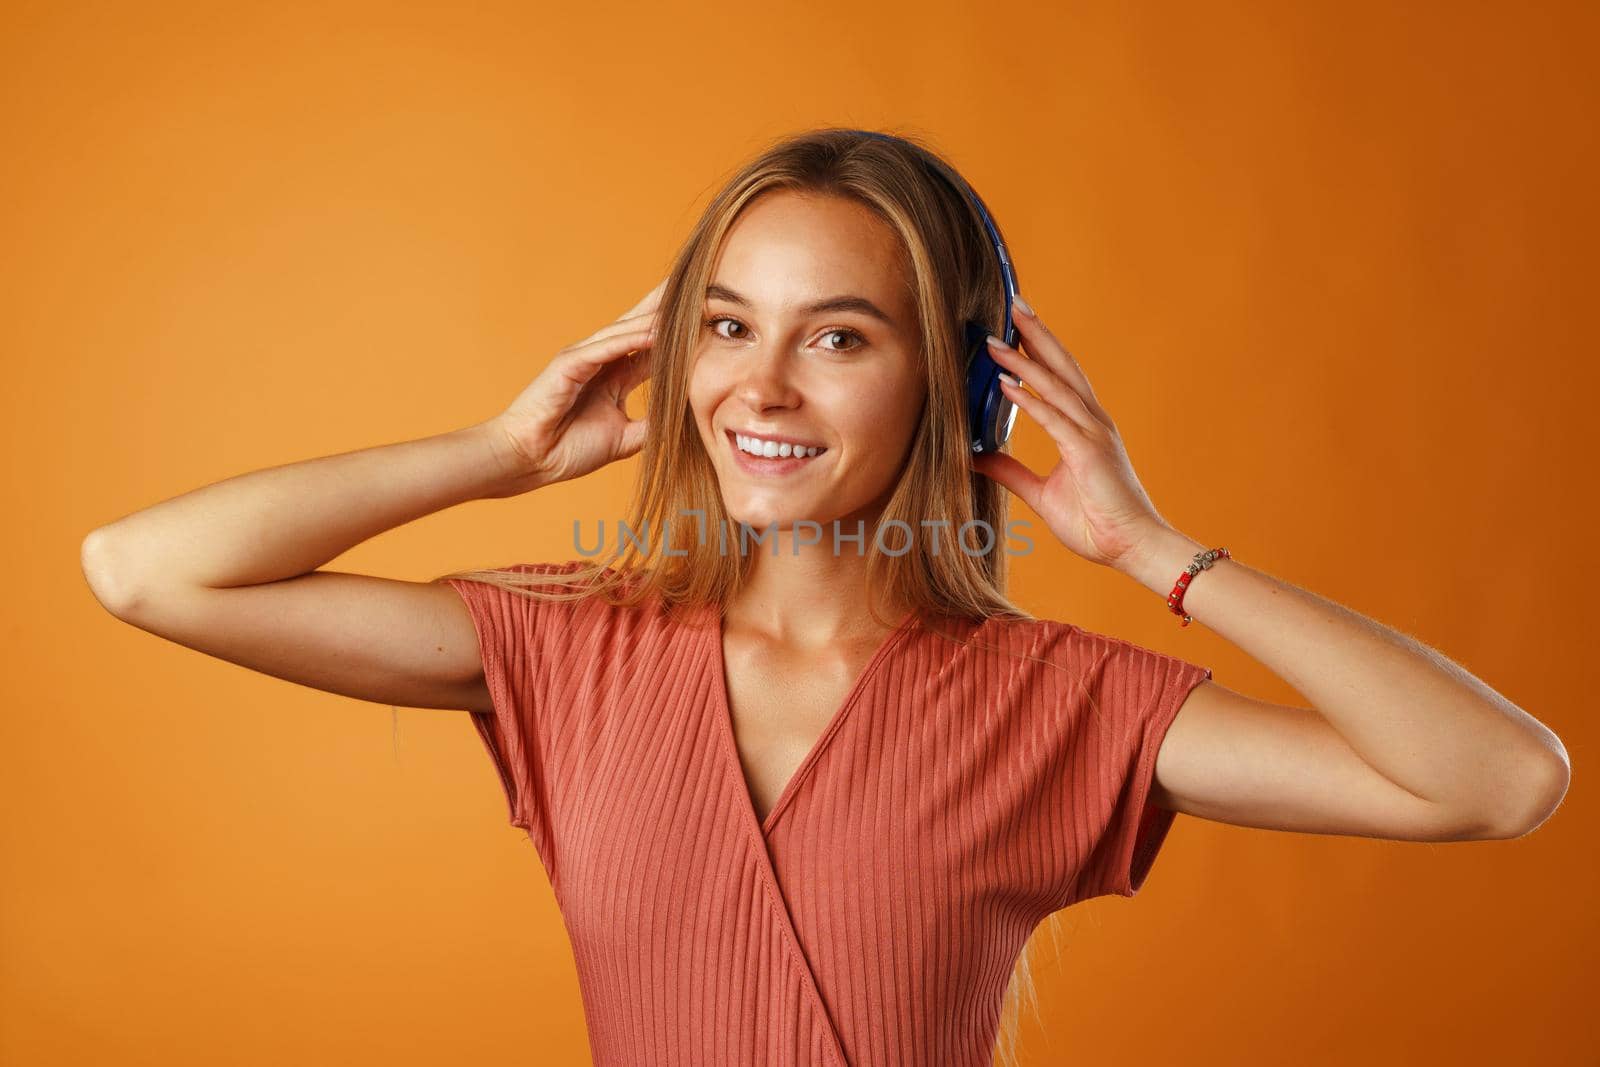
765	379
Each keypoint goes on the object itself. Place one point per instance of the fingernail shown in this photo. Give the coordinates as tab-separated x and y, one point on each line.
1013	380
1022	305
995	342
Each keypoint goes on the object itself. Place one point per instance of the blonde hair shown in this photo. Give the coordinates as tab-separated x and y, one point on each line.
954	276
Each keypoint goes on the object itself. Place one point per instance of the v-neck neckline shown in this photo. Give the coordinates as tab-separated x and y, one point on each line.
730	744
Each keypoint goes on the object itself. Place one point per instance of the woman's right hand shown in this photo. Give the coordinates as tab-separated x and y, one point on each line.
573	419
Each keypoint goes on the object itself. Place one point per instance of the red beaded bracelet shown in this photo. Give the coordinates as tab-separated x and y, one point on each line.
1202	561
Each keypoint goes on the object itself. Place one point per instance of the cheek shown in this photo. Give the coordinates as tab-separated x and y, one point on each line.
702	389
911	400
882	416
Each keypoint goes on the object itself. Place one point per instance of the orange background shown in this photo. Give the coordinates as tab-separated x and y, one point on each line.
1328	265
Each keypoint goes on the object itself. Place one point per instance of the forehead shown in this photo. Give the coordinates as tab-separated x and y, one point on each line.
790	248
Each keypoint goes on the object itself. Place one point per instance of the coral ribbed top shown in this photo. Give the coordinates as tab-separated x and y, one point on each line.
958	796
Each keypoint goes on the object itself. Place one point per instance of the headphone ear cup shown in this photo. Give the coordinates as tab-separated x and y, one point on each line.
990	413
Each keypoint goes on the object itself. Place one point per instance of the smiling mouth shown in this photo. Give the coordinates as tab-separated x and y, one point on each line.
769	464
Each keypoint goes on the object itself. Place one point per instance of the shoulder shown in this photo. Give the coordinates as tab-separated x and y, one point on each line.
1001	641
1087	651
553	567
1061	632
1013	632
548	595
547	576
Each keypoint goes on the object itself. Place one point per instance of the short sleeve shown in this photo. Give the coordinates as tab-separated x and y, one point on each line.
524	643
1136	694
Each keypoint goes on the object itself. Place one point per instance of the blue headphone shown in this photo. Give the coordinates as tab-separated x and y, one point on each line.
990	413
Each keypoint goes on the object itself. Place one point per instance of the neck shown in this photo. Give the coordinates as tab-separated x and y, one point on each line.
811	594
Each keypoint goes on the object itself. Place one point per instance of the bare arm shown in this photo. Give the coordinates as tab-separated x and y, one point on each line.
231	569
1401	743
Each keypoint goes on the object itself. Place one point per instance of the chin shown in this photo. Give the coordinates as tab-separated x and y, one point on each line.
759	518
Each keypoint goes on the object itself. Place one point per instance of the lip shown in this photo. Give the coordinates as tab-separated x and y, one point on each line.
782	439
774	466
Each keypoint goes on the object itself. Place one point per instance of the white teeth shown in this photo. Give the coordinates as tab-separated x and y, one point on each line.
757	447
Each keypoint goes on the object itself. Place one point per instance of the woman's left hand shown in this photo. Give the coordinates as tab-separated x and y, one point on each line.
1092	501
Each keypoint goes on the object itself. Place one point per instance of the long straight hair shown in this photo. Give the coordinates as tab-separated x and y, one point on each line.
955	276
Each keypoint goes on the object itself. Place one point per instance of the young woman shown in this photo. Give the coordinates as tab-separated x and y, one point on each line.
804	799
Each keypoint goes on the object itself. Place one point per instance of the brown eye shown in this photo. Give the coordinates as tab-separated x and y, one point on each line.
711	324
845	331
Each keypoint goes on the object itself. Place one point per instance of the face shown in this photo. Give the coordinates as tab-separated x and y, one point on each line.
810	340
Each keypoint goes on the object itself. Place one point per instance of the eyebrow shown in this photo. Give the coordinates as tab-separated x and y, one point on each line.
833	303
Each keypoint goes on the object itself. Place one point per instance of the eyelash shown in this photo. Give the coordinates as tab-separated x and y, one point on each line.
711	324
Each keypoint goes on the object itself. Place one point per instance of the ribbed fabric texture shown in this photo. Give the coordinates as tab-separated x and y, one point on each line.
957	797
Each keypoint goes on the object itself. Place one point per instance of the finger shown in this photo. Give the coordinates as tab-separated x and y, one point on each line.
1010	472
633	372
647	302
581	363
1062	430
1046	383
633	437
1041	344
644	320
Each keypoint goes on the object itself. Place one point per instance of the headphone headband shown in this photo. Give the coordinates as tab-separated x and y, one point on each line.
991	414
